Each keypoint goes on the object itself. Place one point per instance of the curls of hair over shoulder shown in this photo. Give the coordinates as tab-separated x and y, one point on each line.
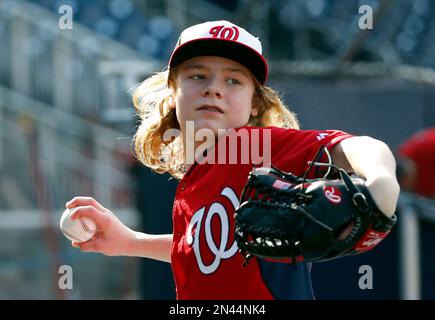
155	143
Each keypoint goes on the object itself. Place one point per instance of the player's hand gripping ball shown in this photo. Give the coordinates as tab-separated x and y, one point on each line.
78	230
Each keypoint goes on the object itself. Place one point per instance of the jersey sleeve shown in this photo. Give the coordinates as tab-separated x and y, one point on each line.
293	149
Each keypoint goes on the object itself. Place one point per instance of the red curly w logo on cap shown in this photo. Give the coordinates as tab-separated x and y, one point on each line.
228	33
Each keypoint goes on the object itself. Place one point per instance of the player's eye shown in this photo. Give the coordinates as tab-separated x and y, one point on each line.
233	81
197	77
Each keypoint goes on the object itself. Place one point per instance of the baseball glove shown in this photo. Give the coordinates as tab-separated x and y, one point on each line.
283	216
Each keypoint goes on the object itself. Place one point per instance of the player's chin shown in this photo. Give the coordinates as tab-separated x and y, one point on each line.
208	127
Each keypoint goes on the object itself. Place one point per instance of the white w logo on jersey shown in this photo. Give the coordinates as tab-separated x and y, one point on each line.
322	135
218	250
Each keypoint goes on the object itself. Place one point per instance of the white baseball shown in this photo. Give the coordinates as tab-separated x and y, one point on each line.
78	230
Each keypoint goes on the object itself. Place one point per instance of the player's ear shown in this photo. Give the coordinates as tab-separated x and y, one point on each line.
171	85
171	98
171	101
255	105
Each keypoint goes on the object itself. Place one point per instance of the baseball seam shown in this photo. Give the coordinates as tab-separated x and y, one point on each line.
71	236
85	226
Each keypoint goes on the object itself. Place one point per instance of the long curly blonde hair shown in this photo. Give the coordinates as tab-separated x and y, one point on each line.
151	100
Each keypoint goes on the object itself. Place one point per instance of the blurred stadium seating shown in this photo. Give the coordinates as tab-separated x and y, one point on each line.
325	28
314	29
66	119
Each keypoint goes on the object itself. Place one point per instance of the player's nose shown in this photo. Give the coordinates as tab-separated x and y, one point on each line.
213	89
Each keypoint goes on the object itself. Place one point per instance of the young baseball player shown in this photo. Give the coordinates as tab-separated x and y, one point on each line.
216	82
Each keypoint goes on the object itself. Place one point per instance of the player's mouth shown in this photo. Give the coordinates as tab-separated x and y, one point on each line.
210	108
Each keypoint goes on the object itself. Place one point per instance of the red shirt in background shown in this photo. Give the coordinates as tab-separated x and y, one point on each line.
420	148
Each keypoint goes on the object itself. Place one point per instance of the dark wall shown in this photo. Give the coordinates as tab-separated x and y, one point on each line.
154	195
387	110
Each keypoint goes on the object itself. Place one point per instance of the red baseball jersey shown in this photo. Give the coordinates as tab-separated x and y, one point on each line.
205	259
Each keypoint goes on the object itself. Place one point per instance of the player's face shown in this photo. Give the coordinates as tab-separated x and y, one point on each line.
214	92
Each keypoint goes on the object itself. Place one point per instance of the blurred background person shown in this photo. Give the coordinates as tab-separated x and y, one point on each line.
416	166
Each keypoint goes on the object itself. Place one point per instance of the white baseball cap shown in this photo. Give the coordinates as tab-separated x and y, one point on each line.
224	39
